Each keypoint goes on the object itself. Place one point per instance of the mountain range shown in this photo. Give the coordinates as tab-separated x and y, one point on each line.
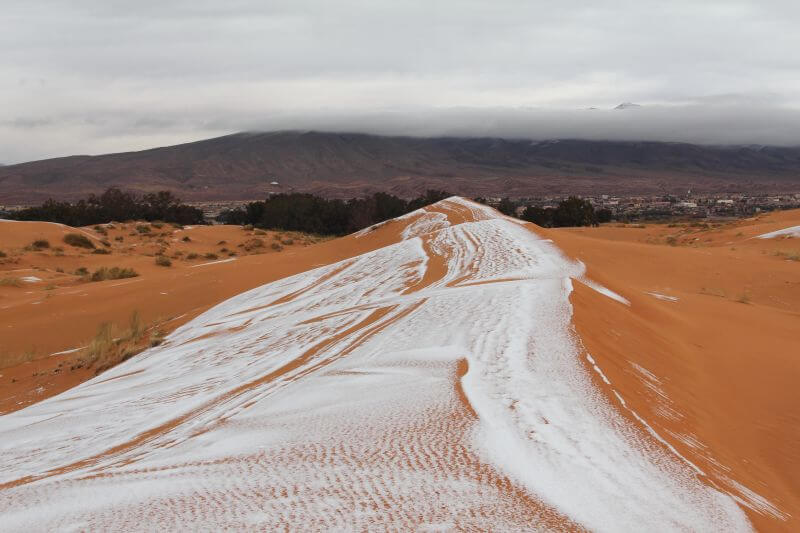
251	165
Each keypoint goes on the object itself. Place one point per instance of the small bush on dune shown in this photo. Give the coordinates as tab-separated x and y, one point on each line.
77	240
143	228
163	260
101	230
101	251
119	238
157	225
2	253
210	256
252	244
82	271
186	239
743	298
259	232
10	282
789	256
192	256
103	274
277	247
40	244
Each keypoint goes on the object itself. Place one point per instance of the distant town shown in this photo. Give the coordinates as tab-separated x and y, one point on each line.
664	207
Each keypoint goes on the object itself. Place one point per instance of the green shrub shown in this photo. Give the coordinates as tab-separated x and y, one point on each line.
163	260
40	244
143	228
157	225
77	240
186	239
82	271
101	251
210	256
192	256
10	282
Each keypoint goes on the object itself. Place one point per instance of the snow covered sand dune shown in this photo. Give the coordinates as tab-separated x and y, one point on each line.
434	383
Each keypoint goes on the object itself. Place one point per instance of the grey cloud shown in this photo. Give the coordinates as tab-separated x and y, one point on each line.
124	75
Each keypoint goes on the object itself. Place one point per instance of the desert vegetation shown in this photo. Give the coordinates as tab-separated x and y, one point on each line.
313	214
78	241
113	345
114	204
103	273
570	212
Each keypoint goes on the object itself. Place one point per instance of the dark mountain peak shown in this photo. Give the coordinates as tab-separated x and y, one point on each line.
243	166
628	105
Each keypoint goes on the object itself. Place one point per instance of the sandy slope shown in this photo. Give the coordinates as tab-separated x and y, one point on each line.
427	374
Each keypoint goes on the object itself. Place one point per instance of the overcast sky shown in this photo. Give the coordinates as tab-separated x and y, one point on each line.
94	76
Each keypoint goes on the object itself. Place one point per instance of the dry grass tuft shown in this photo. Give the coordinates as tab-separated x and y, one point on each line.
252	244
111	346
789	256
103	274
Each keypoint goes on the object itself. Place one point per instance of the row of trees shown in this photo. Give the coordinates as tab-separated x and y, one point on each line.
573	211
292	212
313	214
570	212
114	204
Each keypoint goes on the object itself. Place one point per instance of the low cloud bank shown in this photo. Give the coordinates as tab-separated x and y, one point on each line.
700	124
738	123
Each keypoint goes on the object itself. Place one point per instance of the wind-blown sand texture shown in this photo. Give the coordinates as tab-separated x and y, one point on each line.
452	369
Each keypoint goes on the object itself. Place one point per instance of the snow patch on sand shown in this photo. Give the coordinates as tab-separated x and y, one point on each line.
604	290
663	297
794	231
214	262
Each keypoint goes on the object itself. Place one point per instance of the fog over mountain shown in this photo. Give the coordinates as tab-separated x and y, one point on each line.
96	76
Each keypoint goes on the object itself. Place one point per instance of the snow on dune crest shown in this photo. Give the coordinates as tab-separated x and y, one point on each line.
330	400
